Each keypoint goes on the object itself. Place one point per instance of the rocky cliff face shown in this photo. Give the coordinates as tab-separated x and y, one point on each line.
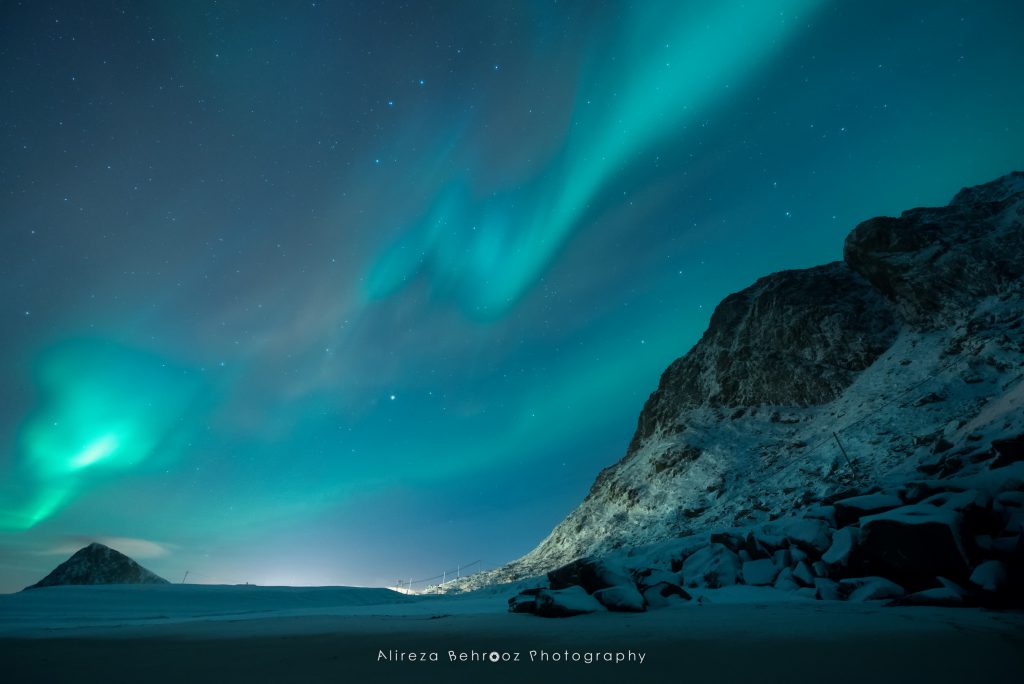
934	265
795	338
901	362
98	564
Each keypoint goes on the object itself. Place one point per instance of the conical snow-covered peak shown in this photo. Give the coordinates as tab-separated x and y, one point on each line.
98	564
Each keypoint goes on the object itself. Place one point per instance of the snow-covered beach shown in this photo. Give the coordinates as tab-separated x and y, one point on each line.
247	633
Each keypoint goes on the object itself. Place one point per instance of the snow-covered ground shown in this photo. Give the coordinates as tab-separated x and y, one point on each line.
248	633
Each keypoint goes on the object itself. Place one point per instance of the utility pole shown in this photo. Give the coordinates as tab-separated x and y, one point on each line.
185	577
845	455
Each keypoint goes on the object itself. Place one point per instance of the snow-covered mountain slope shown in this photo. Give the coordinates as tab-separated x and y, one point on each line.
902	362
98	564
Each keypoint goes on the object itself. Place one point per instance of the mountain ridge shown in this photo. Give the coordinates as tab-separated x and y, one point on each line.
903	360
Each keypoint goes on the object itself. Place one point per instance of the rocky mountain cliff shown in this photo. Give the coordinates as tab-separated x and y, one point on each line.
98	564
902	362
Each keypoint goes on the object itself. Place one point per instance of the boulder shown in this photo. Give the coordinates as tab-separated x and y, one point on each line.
524	602
1009	508
826	513
958	501
949	595
911	545
1008	451
810	535
939	597
591	574
859	589
760	572
759	547
843	543
623	598
974	506
785	582
565	602
712	567
826	589
734	541
850	510
650	577
803	574
991	576
663	593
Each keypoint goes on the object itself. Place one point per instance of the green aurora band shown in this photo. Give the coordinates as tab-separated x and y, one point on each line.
488	247
103	408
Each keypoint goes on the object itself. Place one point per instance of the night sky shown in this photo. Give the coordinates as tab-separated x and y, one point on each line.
342	292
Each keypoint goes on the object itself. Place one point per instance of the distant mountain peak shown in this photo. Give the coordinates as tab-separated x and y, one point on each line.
98	564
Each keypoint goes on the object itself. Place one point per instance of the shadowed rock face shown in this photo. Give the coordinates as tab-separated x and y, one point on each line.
98	564
935	264
794	338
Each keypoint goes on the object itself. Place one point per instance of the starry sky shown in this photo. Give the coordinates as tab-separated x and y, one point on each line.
346	292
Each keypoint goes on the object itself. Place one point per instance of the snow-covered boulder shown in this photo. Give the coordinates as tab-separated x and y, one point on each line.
803	574
1010	450
826	589
808	534
622	598
662	594
760	572
713	566
524	602
826	513
958	501
1009	506
912	545
991	575
850	510
859	589
807	592
564	602
591	574
649	577
843	543
939	596
949	595
785	581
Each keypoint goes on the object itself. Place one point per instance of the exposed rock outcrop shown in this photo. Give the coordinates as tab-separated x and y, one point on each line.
935	264
794	338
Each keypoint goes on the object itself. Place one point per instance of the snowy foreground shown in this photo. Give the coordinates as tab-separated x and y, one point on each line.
247	633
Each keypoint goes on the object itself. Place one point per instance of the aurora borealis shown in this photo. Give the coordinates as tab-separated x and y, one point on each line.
342	292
